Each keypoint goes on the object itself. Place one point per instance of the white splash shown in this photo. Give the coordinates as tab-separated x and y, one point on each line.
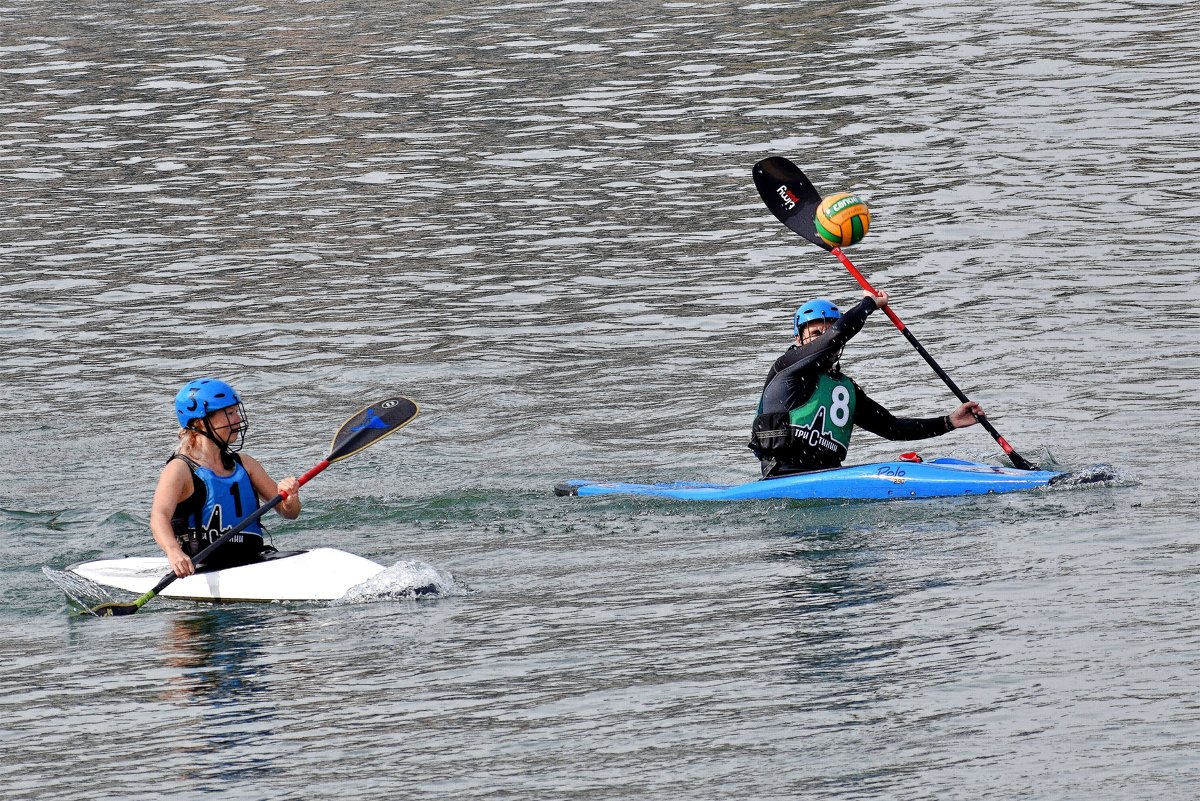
1095	474
403	581
83	593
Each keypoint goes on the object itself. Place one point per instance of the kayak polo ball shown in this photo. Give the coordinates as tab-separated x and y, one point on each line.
842	219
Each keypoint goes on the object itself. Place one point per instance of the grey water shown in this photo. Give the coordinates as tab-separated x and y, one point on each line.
536	219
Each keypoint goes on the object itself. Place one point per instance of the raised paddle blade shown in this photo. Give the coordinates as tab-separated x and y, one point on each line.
793	199
790	196
370	425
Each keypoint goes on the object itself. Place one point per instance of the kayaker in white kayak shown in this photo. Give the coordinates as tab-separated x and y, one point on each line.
207	487
809	408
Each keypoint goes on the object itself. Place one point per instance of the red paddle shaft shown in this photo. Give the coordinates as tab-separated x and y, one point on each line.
1015	457
307	477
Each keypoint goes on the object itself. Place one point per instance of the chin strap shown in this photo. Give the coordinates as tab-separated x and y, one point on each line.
223	447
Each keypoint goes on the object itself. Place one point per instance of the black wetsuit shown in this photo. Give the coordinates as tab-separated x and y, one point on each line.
790	384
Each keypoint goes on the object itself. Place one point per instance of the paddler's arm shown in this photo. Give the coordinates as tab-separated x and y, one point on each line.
874	418
174	487
852	321
829	343
966	415
794	374
266	488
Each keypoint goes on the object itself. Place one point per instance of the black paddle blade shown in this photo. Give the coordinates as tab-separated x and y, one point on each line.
112	610
790	196
371	425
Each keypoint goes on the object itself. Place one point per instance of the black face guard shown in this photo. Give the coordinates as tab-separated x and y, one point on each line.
236	438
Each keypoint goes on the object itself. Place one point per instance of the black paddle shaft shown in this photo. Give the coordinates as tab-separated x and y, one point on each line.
366	427
199	558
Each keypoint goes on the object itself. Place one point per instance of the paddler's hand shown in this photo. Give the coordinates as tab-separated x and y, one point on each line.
881	299
290	489
964	415
181	563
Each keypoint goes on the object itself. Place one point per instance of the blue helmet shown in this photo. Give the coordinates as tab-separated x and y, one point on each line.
201	397
819	309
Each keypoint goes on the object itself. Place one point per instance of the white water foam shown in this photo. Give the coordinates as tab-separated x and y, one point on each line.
403	581
1096	474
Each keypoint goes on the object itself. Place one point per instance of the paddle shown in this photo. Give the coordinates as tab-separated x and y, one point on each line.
793	199
366	427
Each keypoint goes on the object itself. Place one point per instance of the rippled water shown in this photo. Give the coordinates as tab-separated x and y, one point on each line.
537	220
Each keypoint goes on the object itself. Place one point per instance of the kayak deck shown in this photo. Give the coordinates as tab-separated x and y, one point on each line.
937	478
322	574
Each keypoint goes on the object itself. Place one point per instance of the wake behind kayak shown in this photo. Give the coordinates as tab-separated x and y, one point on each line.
937	478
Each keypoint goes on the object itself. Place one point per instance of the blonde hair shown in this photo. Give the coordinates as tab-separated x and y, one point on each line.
188	441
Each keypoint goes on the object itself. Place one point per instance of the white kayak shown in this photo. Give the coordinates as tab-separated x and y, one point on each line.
322	574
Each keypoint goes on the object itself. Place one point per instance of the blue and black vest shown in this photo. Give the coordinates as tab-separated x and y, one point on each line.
217	504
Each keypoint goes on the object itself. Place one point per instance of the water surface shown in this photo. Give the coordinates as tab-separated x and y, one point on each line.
537	220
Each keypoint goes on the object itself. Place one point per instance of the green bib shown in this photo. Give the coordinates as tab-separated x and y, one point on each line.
826	420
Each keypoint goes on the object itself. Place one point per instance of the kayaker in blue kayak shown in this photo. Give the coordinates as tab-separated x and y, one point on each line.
809	407
207	487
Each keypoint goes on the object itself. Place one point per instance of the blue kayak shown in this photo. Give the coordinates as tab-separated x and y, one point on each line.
937	478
